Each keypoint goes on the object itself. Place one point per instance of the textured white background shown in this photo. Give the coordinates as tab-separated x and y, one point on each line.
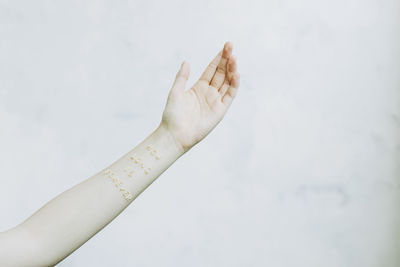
303	171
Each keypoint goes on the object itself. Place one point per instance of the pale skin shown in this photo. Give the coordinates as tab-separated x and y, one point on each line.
70	219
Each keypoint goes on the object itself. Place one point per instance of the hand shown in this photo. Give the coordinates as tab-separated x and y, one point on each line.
191	114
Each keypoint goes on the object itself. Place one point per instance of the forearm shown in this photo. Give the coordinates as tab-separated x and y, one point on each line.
70	219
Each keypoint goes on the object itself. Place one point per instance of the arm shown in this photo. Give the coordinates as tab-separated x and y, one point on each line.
66	222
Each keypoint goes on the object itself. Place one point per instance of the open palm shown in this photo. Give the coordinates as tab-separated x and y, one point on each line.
191	114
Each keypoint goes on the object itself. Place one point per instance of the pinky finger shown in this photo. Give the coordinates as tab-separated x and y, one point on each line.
232	90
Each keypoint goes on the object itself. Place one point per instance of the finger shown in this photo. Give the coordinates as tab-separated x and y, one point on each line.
210	70
223	89
181	77
220	72
232	90
232	66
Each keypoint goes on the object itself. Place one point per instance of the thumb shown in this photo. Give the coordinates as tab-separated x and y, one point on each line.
181	77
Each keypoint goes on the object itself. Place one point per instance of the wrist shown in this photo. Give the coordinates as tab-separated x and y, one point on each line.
168	139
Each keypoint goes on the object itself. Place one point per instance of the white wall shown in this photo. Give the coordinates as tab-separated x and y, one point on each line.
303	171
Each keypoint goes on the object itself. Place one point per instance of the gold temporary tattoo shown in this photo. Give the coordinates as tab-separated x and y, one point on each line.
153	151
129	171
137	160
127	195
118	184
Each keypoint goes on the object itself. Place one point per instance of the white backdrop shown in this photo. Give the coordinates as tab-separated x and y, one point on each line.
303	171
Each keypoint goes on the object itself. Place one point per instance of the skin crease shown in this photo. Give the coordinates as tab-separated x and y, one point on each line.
191	114
74	216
